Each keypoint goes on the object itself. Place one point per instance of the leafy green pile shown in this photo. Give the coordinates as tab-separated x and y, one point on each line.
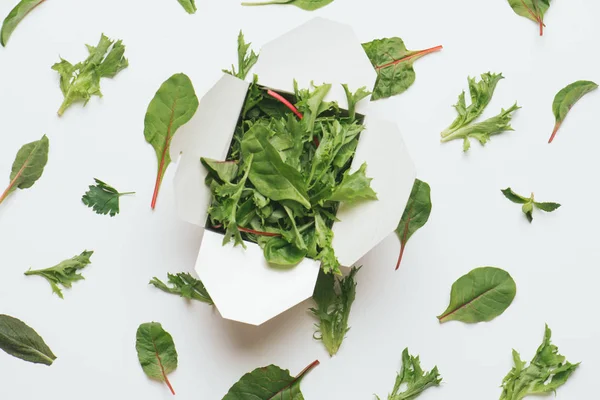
286	173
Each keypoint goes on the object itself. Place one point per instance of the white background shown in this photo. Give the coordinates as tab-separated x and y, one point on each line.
554	261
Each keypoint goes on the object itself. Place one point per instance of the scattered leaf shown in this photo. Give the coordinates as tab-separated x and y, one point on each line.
156	352
245	60
184	285
531	9
16	15
308	5
188	5
21	341
529	203
566	99
103	199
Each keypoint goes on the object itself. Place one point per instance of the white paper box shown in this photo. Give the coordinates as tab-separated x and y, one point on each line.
240	281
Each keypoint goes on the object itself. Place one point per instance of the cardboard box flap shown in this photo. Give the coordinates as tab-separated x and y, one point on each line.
207	134
322	51
244	287
362	226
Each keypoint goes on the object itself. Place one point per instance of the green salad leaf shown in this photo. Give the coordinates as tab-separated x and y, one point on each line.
566	99
156	352
544	375
28	166
529	203
81	81
184	285
531	9
393	63
480	296
64	273
415	216
188	5
246	59
103	198
15	16
20	340
334	298
411	381
308	5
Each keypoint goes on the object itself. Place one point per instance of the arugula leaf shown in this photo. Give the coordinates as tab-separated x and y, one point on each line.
245	60
480	296
334	298
412	380
394	65
156	352
529	203
482	131
28	166
184	285
81	81
20	340
102	198
269	383
354	187
566	99
64	273
415	216
531	9
354	98
308	5
547	372
174	104
188	5
15	16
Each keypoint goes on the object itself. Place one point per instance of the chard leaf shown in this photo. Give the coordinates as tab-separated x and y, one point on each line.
28	166
64	273
103	198
245	60
480	296
81	81
394	65
354	187
20	340
566	99
184	285
529	203
334	298
544	375
188	5
531	9
268	383
415	216
354	98
156	352
174	104
308	5
412	380
15	16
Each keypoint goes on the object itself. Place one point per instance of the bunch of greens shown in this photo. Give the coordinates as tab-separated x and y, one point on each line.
286	173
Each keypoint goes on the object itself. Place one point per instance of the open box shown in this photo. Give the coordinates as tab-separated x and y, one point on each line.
243	286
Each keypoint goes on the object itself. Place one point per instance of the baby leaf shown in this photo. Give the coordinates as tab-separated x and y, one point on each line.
65	273
188	5
412	380
416	214
354	187
21	341
480	296
354	98
81	81
529	203
532	9
103	199
268	383
547	372
173	105
394	65
184	285
566	99
308	5
245	60
15	16
28	166
156	352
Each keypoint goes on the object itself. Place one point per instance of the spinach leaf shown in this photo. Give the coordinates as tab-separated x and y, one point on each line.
28	166
480	296
415	216
393	63
354	187
184	285
245	60
103	198
281	252
529	203
566	99
531	9
15	17
188	5
156	352
174	104
308	5
20	340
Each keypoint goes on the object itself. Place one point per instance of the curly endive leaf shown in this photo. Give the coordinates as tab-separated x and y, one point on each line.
566	99
245	60
21	341
156	352
15	17
184	285
308	5
531	9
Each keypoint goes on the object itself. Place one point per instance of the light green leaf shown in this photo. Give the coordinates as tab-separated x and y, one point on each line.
308	5
103	198
21	341
156	352
174	104
354	98
16	15
531	9
222	171
354	187
480	296
184	285
28	166
279	251
245	60
394	65
566	99
188	5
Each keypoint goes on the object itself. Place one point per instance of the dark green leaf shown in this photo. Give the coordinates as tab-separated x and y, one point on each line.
64	273
156	352
184	285
566	99
245	60
102	198
308	5
415	216
173	105
280	252
394	65
15	17
21	341
480	296
515	198
531	9
354	187
548	207
529	203
189	6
